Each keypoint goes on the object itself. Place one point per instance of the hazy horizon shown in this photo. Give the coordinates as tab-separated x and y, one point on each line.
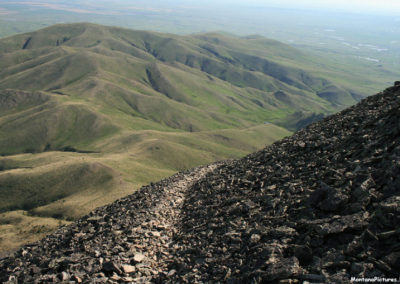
349	6
391	7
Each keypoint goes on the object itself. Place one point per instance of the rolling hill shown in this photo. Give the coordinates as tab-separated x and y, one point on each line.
88	113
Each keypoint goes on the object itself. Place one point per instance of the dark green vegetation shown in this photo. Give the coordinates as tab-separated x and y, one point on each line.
88	113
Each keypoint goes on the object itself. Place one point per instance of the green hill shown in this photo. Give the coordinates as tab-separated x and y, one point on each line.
89	113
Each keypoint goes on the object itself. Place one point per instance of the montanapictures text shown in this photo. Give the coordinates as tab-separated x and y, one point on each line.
375	279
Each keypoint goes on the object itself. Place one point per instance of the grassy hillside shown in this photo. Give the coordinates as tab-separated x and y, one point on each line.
89	113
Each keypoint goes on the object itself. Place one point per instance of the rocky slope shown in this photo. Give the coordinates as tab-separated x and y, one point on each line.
321	206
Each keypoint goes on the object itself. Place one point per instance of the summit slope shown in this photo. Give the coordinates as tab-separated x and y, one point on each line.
319	206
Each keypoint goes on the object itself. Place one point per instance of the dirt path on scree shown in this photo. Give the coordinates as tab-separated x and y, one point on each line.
155	236
130	240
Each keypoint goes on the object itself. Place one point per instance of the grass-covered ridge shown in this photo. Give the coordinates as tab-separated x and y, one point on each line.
88	113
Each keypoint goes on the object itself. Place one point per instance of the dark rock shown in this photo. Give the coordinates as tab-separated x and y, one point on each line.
393	260
331	199
281	269
111	266
304	254
315	278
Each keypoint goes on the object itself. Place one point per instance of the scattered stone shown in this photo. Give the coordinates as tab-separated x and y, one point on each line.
64	276
115	277
139	257
171	272
282	269
77	279
128	279
128	268
255	238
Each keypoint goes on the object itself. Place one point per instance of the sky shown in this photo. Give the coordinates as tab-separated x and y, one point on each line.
356	6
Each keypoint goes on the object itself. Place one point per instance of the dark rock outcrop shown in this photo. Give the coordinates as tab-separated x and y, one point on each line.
321	206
